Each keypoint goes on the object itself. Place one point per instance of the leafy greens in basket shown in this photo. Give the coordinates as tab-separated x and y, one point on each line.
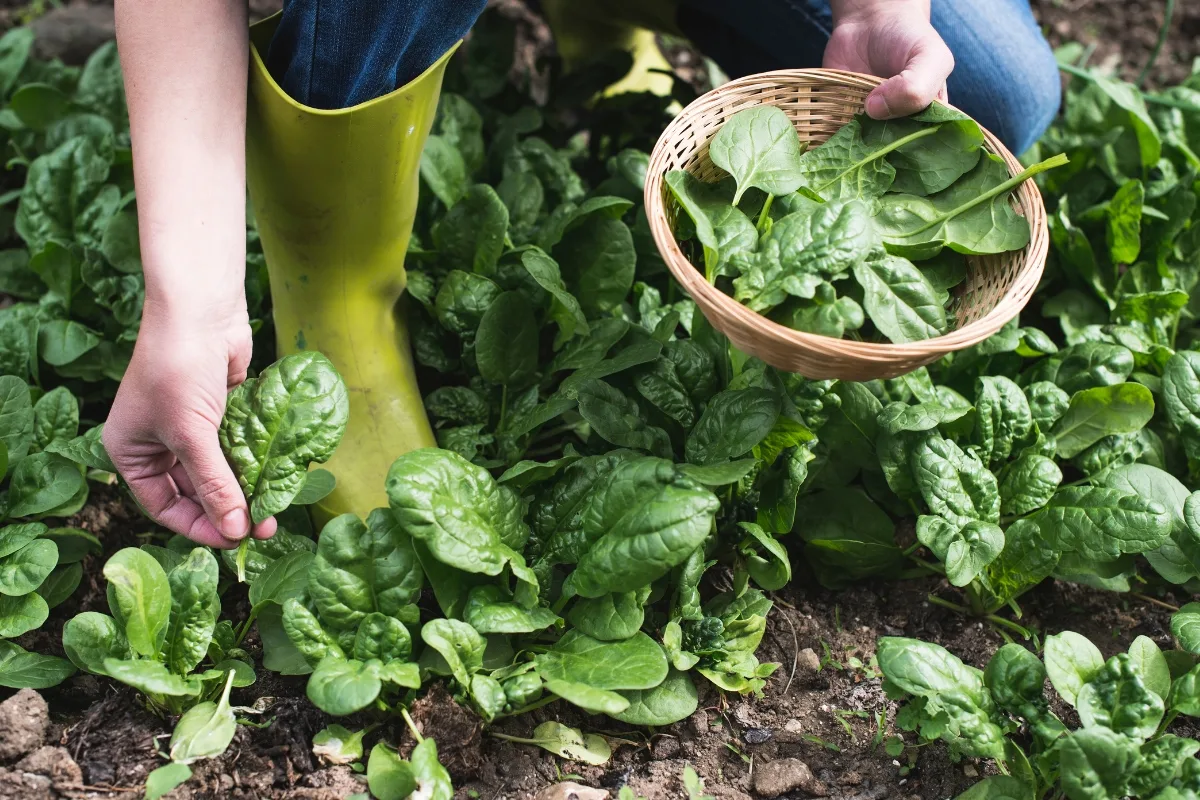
865	235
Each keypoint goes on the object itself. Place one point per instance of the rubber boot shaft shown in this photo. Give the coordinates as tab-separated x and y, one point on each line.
335	195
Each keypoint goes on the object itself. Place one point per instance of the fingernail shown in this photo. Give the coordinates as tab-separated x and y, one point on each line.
877	107
236	524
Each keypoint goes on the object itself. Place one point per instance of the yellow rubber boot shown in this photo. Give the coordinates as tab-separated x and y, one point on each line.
335	194
585	30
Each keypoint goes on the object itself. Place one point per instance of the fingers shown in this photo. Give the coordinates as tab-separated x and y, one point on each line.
920	82
214	485
161	499
265	529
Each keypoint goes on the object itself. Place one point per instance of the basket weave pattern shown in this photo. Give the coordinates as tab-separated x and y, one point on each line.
819	102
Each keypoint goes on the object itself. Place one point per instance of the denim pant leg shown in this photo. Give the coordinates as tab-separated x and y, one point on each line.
1005	74
334	54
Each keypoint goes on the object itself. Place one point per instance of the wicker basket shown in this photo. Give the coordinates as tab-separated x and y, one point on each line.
819	102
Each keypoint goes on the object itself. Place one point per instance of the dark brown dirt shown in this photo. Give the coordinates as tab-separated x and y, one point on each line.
1123	33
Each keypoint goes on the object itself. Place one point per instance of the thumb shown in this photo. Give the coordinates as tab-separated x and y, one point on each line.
917	85
215	487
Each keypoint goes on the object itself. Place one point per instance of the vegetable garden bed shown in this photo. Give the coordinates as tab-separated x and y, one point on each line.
1036	484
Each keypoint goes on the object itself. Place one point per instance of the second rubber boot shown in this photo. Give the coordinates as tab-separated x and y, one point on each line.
335	194
584	31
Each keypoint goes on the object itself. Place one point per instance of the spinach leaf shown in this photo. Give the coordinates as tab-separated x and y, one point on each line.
672	700
598	260
952	691
1096	413
1094	761
973	216
931	162
1116	698
732	424
634	663
801	250
488	611
722	229
1091	364
759	147
142	594
1102	524
1028	483
459	645
1181	396
275	425
900	300
471	235
565	309
45	483
617	419
611	617
845	167
1002	418
482	534
1047	403
362	568
965	550
955	484
847	536
463	299
506	342
646	520
20	669
195	607
1178	558
339	686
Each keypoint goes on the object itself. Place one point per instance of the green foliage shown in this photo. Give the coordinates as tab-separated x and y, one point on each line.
853	214
1125	704
276	424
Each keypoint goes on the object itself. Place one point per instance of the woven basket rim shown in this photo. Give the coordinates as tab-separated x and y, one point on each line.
707	296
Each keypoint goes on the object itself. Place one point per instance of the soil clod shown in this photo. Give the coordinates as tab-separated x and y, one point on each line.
17	785
785	775
24	719
53	762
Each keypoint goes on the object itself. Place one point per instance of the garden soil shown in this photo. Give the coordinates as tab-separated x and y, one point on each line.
818	731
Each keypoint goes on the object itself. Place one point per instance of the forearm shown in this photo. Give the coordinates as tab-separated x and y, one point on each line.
185	67
846	9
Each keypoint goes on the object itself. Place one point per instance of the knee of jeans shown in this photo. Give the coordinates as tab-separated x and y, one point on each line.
1017	95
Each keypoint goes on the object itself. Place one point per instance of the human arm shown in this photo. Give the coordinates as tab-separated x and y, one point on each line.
185	67
892	39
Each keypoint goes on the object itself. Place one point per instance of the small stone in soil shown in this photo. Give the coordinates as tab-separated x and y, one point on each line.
24	719
807	663
569	790
757	735
698	722
785	775
53	762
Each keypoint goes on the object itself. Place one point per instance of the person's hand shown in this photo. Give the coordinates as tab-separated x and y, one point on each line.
162	431
891	39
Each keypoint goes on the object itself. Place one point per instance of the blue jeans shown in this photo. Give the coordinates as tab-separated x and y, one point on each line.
338	53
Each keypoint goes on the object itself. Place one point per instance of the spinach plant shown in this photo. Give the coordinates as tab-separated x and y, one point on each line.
162	635
1125	705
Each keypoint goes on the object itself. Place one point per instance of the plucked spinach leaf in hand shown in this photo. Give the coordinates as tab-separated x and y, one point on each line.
275	425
